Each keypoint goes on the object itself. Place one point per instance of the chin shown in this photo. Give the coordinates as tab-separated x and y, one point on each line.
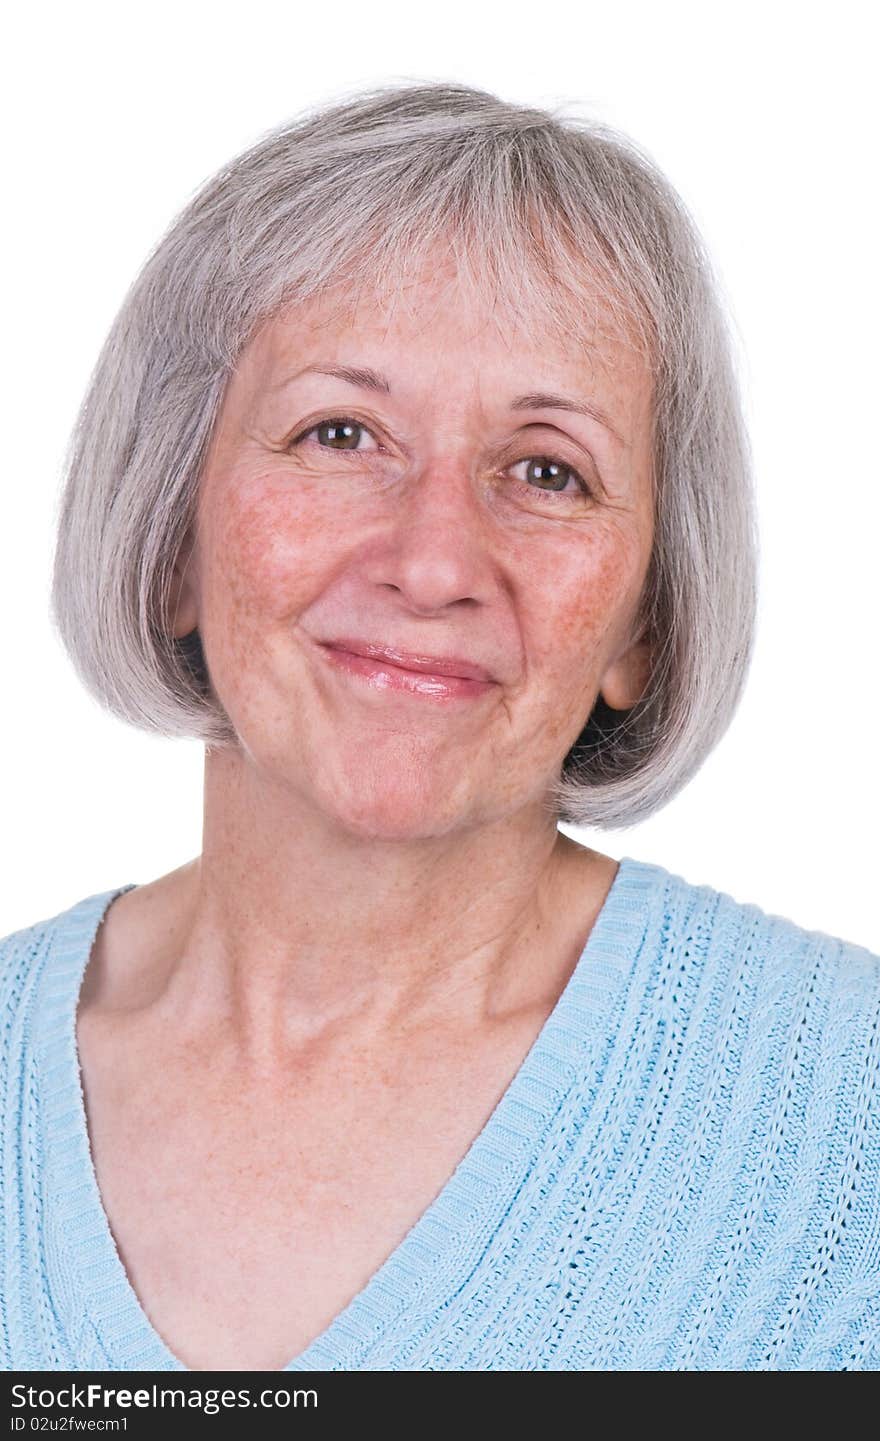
396	814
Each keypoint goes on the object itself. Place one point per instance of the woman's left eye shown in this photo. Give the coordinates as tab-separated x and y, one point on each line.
552	477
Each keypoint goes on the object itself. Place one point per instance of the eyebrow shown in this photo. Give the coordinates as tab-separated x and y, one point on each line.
542	400
369	379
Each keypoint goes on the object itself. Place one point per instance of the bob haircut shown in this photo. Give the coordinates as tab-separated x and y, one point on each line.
559	216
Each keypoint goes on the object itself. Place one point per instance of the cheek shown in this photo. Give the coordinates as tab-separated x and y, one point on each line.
265	555
584	598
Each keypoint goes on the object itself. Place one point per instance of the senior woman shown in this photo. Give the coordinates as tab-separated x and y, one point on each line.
412	480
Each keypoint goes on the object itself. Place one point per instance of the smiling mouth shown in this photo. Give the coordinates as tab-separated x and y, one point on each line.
382	675
413	660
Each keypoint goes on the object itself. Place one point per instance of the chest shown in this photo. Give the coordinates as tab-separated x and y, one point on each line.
247	1217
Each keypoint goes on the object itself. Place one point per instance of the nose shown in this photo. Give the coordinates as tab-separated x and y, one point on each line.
437	547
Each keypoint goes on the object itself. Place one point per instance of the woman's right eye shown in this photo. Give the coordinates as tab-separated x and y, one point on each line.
335	433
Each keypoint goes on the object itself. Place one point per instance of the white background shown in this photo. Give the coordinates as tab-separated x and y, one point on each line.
762	117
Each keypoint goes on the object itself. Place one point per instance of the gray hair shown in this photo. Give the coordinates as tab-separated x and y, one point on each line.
538	207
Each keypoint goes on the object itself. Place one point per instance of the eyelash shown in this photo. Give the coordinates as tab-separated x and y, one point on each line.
557	496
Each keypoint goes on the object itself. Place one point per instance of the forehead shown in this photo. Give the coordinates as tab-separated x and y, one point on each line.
458	318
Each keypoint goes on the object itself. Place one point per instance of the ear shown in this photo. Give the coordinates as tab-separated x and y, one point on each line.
627	678
183	608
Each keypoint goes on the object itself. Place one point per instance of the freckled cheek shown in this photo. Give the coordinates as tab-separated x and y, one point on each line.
589	593
265	562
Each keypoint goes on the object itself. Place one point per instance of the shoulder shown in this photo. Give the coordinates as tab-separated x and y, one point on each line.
785	1018
22	956
769	1008
736	937
27	953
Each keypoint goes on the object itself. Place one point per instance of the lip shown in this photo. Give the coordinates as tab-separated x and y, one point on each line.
447	665
380	676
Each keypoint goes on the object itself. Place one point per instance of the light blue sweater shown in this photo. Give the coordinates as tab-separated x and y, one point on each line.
684	1174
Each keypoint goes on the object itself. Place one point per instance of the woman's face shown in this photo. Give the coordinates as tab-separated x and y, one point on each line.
434	501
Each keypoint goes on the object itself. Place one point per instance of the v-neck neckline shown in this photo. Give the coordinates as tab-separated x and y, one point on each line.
472	1202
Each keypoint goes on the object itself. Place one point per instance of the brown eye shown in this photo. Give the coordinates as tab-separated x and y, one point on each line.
548	474
340	434
337	432
552	477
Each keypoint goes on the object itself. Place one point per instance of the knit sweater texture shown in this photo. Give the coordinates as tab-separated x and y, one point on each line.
683	1174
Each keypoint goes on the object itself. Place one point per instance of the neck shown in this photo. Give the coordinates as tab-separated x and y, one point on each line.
290	925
